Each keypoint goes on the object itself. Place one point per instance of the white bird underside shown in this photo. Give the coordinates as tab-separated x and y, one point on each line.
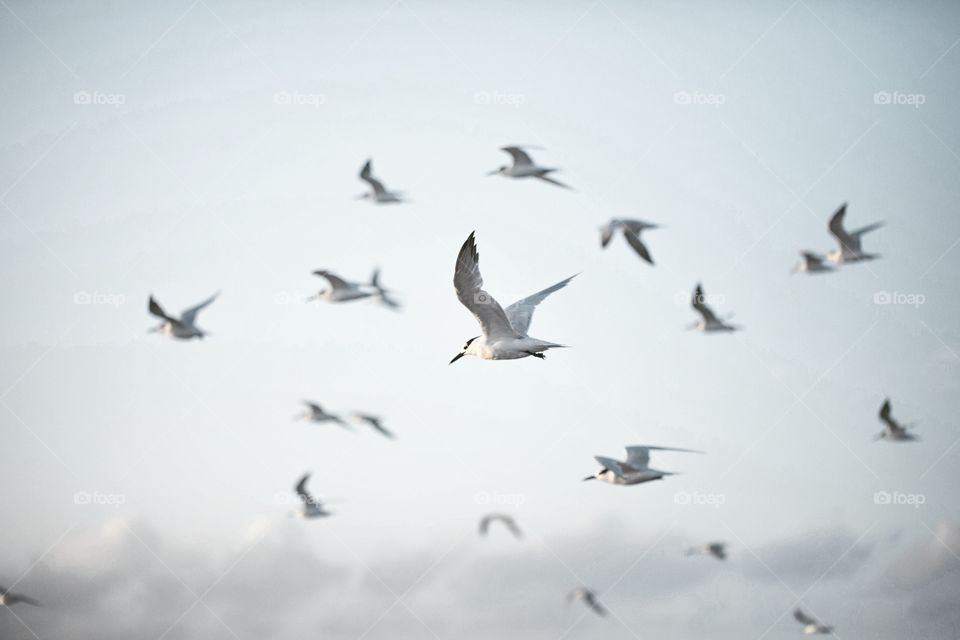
850	242
504	331
635	469
183	327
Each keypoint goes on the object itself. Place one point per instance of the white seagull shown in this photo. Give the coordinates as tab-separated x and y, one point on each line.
183	327
893	431
589	598
378	193
850	250
340	290
635	469
524	167
504	330
716	549
811	626
312	507
631	231
9	598
507	521
811	263
315	413
709	322
372	421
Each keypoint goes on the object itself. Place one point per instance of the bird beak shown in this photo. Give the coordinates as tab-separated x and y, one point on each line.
456	357
589	478
493	173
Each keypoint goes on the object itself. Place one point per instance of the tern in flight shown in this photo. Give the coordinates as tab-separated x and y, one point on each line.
631	231
589	598
811	626
315	413
716	549
524	167
183	327
504	330
312	507
340	290
9	598
893	431
378	192
372	421
811	263
635	469
709	322
850	250
503	518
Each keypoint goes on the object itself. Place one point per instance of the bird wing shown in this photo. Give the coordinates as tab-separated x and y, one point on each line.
698	305
553	181
190	315
591	600
867	229
520	157
847	241
638	456
366	174
520	313
633	239
374	422
885	414
335	281
13	598
301	490
606	232
812	258
612	465
485	524
468	284
155	309
803	618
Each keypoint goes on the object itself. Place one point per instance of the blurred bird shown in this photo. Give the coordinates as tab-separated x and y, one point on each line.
315	413
340	290
382	294
709	322
811	626
631	231
9	598
893	431
716	549
849	250
635	469
183	327
372	421
811	263
524	167
588	598
312	507
379	193
504	330
507	521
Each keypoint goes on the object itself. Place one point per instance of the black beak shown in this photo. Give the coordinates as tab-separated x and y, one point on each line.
589	478
456	357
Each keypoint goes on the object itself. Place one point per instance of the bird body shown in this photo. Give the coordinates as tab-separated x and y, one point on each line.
373	422
340	290
709	322
9	598
589	598
893	431
378	193
716	549
631	230
811	626
524	167
850	241
316	413
311	507
184	327
812	263
635	469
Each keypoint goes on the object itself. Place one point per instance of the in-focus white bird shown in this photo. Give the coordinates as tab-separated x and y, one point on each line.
811	626
381	293
716	549
893	431
503	518
340	290
183	327
311	507
315	413
635	469
811	263
524	167
631	232
709	321
9	598
589	598
504	330
372	421
378	193
850	249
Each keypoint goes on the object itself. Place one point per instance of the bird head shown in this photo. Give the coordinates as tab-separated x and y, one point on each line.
464	351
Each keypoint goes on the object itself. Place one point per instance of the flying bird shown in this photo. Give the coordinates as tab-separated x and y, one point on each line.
589	598
893	431
378	193
183	327
372	421
709	322
811	263
503	518
811	626
312	507
340	290
850	249
504	330
9	598
524	167
631	232
315	413
716	549
635	469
